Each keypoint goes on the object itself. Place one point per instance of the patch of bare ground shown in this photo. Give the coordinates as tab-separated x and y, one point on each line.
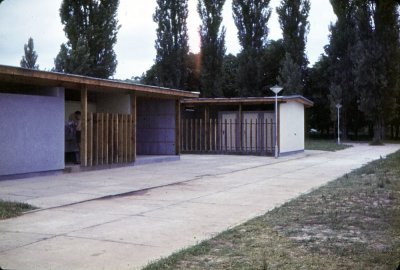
351	223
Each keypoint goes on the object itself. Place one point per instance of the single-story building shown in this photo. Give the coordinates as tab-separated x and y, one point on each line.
243	125
120	120
123	122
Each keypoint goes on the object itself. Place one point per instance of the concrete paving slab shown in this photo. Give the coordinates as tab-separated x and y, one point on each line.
65	253
182	203
54	222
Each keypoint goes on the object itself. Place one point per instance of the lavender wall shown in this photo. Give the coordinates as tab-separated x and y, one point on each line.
155	127
32	132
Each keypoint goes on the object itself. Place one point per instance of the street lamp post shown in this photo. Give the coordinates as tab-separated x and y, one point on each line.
338	106
276	89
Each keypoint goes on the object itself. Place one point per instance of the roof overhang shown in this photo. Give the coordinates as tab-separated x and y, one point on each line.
22	76
247	101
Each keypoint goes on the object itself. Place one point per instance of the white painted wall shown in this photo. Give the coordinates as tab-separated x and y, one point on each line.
73	106
291	127
32	132
113	103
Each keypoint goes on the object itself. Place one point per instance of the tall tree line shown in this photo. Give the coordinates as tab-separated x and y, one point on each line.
251	19
212	37
362	66
293	19
171	43
91	27
250	73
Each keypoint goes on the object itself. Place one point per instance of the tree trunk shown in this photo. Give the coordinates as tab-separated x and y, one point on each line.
378	131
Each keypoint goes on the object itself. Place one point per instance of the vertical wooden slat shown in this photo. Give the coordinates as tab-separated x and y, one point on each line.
187	134
101	139
134	124
182	135
266	136
90	139
215	134
97	140
106	134
240	127
125	120
195	135
125	137
129	138
245	135
221	137
120	136
191	134
230	135
206	121
256	135
251	135
111	139
84	111
116	139
210	135
272	136
200	135
226	134
177	127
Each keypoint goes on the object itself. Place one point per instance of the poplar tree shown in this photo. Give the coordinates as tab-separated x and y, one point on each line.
251	18
91	27
30	56
340	52
171	44
212	46
376	62
293	19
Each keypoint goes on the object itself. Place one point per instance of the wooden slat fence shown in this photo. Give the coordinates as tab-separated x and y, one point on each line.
214	136
110	139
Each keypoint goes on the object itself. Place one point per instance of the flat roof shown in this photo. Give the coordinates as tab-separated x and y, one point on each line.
23	76
247	100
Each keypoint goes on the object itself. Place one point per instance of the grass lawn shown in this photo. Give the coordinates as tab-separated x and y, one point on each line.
13	209
351	223
324	145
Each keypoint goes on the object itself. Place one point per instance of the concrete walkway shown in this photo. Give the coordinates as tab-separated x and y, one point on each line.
163	207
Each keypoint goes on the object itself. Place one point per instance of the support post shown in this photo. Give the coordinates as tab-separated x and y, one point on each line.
84	140
240	128
206	121
178	127
276	126
134	121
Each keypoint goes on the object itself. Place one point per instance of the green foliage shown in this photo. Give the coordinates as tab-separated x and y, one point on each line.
212	46
270	62
376	61
340	53
91	27
251	19
290	77
30	56
171	43
229	76
293	18
317	89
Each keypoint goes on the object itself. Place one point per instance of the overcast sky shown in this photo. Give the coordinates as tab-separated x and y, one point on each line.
39	19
